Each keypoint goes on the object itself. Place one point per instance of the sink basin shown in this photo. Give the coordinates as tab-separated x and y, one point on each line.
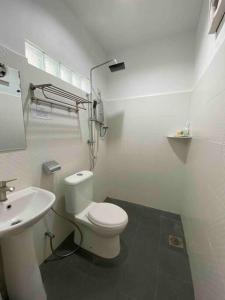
17	215
23	209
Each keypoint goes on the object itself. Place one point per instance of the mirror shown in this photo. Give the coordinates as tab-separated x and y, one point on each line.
12	131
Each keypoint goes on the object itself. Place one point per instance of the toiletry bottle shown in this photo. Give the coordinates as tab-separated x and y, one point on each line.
187	129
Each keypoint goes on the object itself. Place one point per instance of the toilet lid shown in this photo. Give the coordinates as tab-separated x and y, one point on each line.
107	214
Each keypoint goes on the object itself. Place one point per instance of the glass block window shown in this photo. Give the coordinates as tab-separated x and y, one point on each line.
76	80
65	74
38	58
35	56
51	66
85	85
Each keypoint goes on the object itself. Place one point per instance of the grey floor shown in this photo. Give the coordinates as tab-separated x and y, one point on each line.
147	268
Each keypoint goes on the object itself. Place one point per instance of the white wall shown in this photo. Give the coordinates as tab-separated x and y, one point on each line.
159	66
204	203
59	138
143	165
51	26
203	208
146	102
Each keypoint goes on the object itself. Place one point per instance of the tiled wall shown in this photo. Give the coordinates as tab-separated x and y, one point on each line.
204	203
143	165
59	138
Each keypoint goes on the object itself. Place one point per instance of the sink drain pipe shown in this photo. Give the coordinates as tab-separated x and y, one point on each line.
51	237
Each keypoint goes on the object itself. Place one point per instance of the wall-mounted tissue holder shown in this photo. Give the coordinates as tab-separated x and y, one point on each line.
51	167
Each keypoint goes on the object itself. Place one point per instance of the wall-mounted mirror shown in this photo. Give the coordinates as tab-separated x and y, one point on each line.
12	132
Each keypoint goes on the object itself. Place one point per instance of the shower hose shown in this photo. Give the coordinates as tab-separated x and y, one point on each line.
52	236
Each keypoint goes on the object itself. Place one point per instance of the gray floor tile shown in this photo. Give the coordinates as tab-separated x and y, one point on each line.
63	284
139	282
171	216
171	226
95	290
121	296
148	230
129	233
175	264
146	264
171	289
147	212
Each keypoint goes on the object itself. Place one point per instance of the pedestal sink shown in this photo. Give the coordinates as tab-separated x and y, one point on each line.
17	215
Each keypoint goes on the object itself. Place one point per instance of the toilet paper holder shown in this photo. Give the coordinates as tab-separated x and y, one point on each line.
50	167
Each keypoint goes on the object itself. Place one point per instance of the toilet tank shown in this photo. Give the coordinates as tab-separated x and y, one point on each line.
78	191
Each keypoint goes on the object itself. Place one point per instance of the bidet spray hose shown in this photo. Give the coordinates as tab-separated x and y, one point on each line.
52	236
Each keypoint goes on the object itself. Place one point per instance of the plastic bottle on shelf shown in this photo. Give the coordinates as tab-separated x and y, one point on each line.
186	130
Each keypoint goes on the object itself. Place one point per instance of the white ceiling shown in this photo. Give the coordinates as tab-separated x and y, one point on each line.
118	24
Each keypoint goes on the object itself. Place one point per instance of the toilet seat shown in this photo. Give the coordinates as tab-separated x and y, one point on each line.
107	215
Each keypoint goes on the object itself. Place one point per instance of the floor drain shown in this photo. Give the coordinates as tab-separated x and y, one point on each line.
176	242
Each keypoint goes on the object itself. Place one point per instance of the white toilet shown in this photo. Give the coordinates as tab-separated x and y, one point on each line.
101	223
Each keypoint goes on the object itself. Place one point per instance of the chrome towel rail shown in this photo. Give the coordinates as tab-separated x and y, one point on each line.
63	99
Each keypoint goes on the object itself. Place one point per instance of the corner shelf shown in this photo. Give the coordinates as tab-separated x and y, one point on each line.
179	137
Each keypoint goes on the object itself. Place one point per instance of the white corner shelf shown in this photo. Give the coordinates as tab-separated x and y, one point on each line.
179	137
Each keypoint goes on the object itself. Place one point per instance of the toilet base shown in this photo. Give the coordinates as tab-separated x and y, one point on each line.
106	247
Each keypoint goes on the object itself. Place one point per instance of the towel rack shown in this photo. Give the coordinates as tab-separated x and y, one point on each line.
64	100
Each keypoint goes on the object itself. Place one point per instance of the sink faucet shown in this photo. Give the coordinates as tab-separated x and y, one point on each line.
4	189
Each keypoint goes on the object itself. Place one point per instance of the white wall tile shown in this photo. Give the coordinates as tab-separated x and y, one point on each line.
143	165
58	138
203	207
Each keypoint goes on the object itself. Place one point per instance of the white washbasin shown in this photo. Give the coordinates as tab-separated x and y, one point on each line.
23	209
17	215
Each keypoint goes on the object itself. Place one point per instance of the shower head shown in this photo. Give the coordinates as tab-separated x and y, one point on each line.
113	68
117	67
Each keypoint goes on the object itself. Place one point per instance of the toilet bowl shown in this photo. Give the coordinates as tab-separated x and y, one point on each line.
100	223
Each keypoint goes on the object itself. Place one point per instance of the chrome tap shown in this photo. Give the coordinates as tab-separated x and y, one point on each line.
4	189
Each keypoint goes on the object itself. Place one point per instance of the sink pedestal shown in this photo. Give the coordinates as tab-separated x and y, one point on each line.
22	273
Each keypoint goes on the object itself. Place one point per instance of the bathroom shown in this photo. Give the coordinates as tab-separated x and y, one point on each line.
118	173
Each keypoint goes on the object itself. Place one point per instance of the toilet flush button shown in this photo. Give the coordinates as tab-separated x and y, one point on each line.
79	174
